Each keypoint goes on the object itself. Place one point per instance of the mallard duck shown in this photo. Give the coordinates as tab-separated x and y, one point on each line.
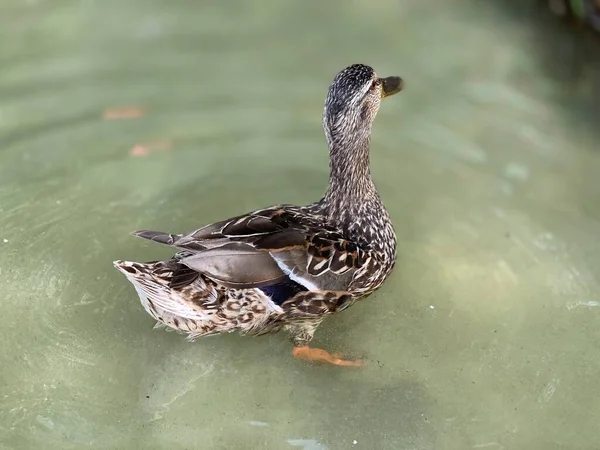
285	267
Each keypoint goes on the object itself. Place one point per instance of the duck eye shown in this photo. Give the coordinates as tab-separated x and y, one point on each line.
374	85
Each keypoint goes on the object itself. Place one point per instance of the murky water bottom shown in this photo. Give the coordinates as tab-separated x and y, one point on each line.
485	337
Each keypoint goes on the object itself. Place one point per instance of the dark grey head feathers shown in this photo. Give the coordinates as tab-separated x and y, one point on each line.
353	101
349	108
348	87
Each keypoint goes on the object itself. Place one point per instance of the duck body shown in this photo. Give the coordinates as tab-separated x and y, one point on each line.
285	266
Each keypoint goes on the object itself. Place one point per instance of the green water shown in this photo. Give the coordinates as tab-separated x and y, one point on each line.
485	337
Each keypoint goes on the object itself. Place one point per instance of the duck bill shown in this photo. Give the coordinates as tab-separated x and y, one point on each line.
391	86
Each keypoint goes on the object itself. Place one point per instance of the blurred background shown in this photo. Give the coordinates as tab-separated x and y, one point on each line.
124	115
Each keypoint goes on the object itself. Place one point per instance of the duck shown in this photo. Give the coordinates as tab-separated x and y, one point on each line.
285	267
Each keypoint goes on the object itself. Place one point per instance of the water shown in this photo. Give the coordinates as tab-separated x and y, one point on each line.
485	337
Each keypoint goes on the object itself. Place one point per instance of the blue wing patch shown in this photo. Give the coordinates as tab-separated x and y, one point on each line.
282	291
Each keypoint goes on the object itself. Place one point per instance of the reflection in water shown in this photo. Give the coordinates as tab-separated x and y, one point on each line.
485	336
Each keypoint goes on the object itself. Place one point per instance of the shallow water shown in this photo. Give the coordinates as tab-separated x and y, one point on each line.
486	336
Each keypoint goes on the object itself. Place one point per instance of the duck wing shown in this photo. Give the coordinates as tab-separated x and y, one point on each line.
267	246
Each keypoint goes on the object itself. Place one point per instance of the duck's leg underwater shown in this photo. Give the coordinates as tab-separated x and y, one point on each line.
301	334
320	355
308	309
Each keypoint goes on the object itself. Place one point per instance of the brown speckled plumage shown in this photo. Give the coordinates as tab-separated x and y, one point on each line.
284	266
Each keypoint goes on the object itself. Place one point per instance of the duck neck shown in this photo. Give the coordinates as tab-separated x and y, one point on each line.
350	184
352	202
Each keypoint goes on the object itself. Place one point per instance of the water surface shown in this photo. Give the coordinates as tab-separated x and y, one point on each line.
485	337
